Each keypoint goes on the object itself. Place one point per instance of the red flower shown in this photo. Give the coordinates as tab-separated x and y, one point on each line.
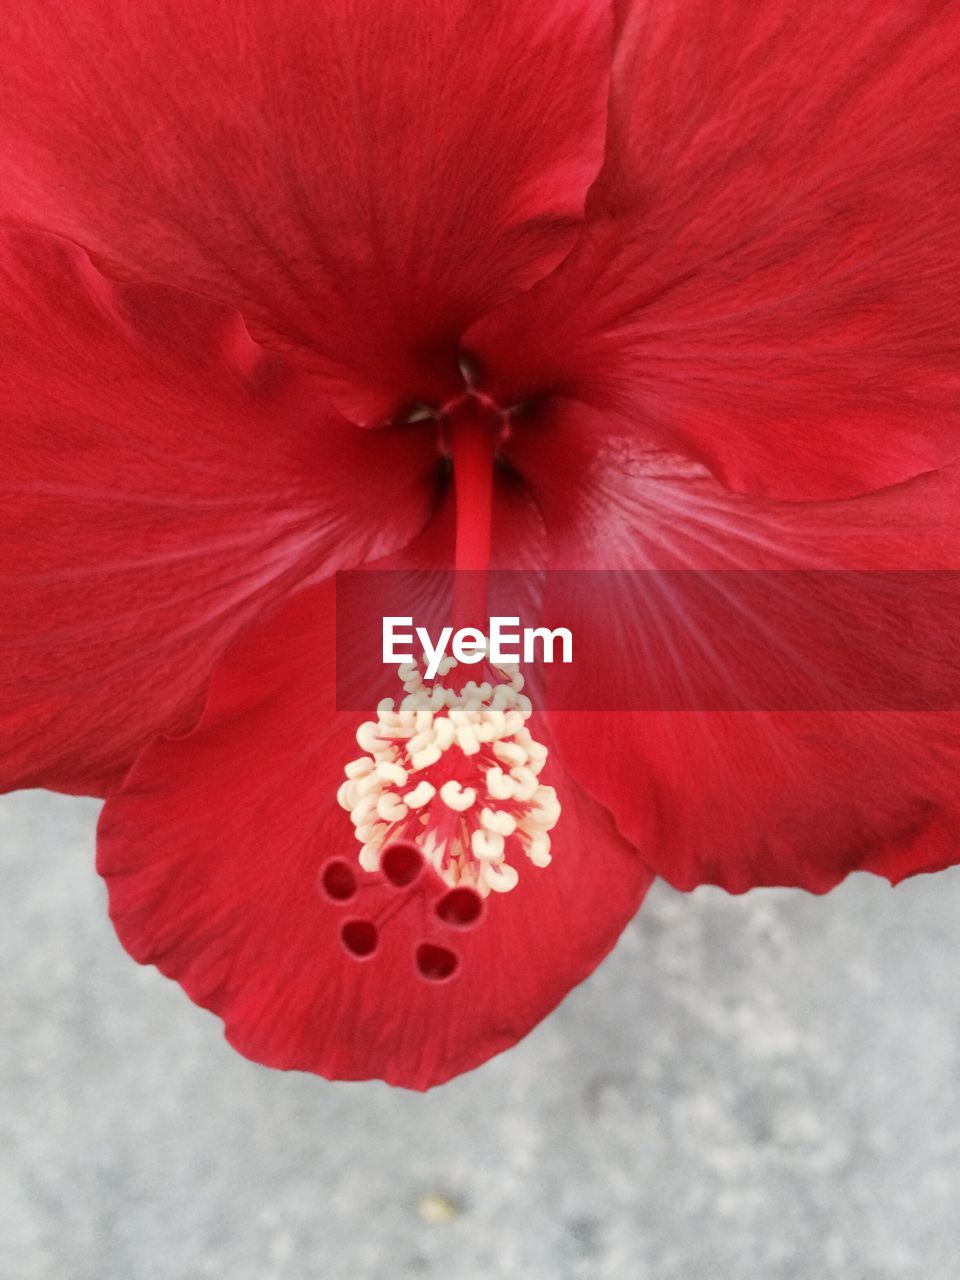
692	270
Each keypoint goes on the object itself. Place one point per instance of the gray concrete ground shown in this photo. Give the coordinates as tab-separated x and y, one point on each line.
764	1087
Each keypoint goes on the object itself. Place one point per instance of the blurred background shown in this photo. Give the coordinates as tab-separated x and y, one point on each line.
758	1087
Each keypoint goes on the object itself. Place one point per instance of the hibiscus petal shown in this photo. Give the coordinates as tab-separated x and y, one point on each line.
241	882
161	482
752	797
361	179
770	281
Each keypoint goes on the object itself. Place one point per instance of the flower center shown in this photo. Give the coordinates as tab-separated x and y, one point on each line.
456	771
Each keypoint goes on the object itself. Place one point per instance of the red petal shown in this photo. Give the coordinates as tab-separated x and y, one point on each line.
798	799
609	501
745	798
770	282
161	482
235	879
361	181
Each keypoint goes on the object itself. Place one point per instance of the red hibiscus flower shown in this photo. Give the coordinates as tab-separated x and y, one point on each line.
300	287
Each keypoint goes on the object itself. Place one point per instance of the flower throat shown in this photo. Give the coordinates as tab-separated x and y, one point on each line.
455	770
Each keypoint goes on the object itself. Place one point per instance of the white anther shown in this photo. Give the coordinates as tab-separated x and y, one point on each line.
487	845
538	850
499	786
534	822
537	750
455	797
424	719
408	671
517	682
368	737
543	817
483	732
471	691
485	691
509	753
370	857
544	814
392	772
419	741
425	758
500	879
498	820
513	721
524	706
467	740
421	794
346	795
391	808
384	707
371	832
369	785
526	782
358	768
446	664
438	696
497	721
445	730
458	716
362	810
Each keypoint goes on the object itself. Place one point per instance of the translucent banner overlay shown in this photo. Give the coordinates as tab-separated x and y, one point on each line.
678	640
